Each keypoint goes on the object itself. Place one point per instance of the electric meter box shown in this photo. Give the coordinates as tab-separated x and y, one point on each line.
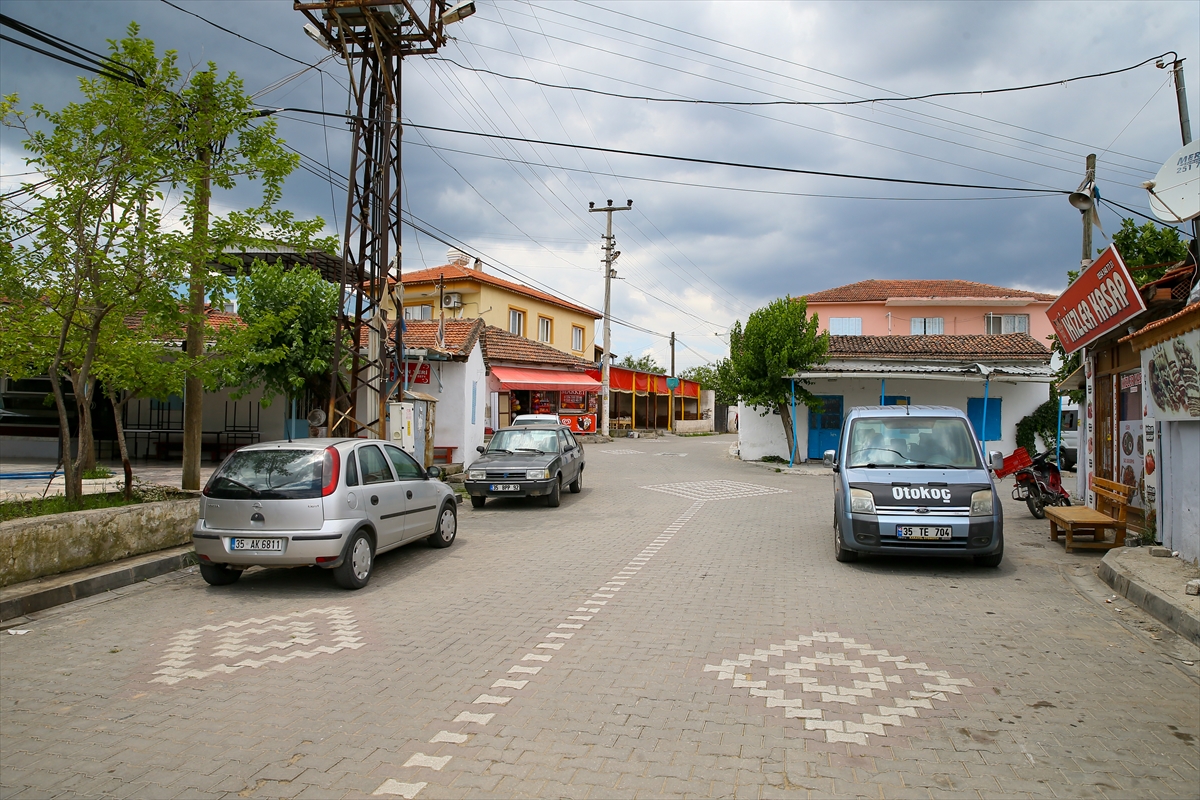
400	426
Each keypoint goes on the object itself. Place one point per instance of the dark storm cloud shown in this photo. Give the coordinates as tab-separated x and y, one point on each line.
692	252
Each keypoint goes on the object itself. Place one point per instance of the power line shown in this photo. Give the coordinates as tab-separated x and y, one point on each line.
691	184
718	163
864	101
1156	221
207	21
88	60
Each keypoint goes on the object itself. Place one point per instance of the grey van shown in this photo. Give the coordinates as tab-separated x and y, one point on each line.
911	480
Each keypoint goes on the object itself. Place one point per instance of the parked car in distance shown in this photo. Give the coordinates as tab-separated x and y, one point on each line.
911	480
1070	437
534	460
535	419
331	503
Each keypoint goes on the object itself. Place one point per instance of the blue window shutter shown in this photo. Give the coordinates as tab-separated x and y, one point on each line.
975	414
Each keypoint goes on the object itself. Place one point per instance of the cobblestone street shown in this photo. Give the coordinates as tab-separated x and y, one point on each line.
679	628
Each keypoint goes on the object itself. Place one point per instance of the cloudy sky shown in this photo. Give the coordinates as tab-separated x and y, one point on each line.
705	244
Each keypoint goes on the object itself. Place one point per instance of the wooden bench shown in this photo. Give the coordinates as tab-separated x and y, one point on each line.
443	455
1112	500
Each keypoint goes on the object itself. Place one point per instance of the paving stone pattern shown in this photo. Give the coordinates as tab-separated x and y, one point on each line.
679	628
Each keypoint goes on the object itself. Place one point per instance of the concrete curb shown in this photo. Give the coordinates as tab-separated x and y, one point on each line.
1157	605
29	597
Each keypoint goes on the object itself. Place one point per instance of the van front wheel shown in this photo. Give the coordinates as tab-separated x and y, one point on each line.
842	553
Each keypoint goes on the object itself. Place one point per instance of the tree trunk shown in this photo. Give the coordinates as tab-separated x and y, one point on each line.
785	414
118	413
72	484
193	390
87	444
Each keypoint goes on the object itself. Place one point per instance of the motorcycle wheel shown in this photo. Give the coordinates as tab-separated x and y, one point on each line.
1036	506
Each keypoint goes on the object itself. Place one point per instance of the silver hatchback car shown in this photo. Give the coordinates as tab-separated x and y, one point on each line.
332	503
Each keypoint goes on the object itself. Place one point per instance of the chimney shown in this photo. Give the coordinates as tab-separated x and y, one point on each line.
478	266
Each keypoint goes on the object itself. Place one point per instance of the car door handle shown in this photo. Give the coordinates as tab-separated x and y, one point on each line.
408	494
374	499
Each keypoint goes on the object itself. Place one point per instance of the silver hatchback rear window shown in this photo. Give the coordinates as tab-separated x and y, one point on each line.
269	475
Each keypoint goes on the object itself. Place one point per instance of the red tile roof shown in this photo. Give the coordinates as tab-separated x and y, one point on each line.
1192	310
877	291
458	272
461	335
1011	346
500	346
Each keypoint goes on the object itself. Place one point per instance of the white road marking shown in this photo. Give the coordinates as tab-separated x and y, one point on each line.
507	684
422	760
535	657
714	490
524	670
838	661
405	790
449	738
478	719
492	699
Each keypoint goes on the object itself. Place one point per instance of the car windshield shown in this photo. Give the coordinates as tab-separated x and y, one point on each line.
530	441
269	475
912	443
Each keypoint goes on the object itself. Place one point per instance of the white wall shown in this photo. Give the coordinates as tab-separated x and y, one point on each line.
1179	525
454	425
761	436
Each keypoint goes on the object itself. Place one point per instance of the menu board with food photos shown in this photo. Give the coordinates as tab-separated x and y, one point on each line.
1132	460
1173	374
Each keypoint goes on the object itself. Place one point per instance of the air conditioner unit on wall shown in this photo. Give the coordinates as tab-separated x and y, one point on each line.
452	300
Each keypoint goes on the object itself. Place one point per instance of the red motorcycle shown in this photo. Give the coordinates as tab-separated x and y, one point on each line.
1039	484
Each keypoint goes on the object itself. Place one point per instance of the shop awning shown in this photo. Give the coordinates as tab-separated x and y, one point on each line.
545	380
1073	382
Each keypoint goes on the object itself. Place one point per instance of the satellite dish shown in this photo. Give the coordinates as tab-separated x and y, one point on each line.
316	417
1175	190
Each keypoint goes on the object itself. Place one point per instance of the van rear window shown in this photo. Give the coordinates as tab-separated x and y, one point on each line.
269	475
912	442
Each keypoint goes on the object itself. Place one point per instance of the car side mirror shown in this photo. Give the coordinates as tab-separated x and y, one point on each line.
996	460
434	472
481	449
829	459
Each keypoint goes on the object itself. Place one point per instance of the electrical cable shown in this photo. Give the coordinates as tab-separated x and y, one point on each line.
99	64
1186	233
719	163
239	36
759	53
864	101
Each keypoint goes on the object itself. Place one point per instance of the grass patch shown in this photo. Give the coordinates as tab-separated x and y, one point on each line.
98	471
774	459
20	509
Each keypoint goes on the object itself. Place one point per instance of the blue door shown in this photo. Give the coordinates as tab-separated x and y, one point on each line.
824	425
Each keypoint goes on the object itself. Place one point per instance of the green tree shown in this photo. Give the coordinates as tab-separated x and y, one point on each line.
285	342
1146	245
85	246
717	376
778	341
642	364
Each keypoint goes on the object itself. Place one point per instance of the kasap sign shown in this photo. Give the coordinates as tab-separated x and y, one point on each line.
1100	300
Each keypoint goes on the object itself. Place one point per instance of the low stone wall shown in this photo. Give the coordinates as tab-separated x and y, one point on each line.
37	546
694	425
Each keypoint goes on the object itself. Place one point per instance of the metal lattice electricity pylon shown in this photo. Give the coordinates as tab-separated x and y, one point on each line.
372	37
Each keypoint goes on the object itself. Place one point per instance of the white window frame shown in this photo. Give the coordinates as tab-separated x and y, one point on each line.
1007	323
516	322
418	311
928	326
845	326
577	338
546	325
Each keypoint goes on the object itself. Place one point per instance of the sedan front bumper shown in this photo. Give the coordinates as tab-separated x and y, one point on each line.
527	488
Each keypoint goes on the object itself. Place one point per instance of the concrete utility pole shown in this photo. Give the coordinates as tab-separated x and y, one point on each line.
193	384
610	255
1089	176
1185	129
672	354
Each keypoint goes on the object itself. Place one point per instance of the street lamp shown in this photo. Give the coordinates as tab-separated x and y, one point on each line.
458	12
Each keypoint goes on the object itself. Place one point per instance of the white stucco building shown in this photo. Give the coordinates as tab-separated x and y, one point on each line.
1008	375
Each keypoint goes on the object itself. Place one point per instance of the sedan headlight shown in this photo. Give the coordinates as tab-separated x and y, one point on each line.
476	475
981	503
861	502
537	474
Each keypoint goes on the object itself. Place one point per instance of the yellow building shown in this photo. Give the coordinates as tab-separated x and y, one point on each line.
464	292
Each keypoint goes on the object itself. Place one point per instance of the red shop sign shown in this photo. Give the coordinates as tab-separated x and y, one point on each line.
1100	300
417	372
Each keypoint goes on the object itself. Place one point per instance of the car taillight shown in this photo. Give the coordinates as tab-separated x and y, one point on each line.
332	466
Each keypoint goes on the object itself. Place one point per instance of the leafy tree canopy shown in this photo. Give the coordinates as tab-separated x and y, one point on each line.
642	364
717	376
